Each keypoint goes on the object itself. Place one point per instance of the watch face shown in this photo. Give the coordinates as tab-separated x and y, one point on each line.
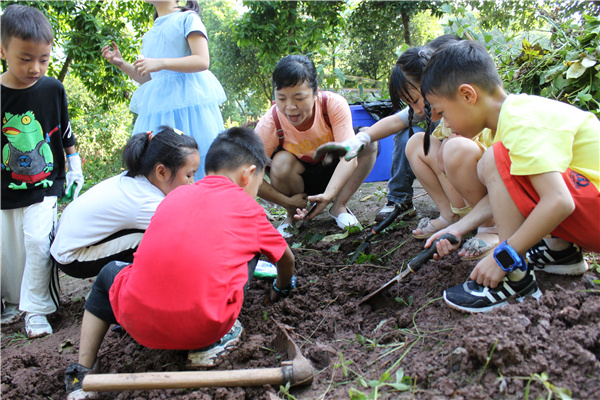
505	259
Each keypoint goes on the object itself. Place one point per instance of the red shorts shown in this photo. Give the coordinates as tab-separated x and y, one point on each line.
582	226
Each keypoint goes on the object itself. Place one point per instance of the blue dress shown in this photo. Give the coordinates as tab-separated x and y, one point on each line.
186	101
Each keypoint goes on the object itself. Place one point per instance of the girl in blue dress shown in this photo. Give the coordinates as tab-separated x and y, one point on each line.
177	89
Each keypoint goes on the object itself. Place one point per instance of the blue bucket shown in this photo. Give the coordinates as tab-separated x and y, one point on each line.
383	165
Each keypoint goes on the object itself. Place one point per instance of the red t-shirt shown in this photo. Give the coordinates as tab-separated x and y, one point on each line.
185	287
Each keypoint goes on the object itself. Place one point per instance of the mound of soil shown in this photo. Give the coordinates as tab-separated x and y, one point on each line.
402	344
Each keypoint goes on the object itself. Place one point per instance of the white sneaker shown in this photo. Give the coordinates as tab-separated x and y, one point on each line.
11	314
36	325
286	229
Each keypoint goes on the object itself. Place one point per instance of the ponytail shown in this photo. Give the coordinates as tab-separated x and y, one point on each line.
426	139
406	77
191	6
144	151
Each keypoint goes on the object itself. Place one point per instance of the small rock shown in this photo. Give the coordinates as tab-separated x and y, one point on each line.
457	358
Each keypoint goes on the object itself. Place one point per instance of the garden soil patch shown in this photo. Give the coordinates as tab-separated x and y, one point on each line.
534	348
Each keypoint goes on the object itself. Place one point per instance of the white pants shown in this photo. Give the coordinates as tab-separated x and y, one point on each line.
26	262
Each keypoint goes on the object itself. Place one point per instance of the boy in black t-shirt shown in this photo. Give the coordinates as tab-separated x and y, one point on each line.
35	133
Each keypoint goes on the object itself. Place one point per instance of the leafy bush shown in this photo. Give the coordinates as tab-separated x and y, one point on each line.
560	63
101	132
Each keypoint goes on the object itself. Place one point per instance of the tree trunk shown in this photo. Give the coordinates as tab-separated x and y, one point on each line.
291	20
406	25
65	68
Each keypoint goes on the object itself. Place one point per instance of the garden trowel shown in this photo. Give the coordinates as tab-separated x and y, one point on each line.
382	225
415	264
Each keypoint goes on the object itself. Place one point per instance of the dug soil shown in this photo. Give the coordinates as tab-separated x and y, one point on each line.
403	344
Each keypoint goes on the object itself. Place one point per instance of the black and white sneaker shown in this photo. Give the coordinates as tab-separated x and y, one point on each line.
407	210
562	262
473	297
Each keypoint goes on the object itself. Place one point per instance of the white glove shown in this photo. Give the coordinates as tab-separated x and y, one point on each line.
356	144
74	174
348	148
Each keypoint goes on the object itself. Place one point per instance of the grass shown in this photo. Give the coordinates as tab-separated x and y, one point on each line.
383	375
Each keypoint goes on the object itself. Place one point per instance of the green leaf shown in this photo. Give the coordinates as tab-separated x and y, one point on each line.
337	236
576	70
403	387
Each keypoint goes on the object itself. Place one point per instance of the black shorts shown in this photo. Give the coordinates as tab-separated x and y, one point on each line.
98	302
316	177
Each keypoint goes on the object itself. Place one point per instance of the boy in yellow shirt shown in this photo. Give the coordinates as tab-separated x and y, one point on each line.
542	175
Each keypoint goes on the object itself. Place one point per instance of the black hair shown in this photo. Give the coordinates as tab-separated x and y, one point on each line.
294	70
443	40
25	23
456	64
191	5
235	148
405	77
407	74
144	151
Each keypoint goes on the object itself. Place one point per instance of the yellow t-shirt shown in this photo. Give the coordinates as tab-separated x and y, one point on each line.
484	138
544	135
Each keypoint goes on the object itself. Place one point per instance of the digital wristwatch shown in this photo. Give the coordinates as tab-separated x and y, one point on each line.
508	259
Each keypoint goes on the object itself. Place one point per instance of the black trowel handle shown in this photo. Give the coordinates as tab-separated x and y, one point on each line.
427	254
387	221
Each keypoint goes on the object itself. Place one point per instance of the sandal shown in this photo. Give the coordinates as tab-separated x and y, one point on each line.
428	228
480	245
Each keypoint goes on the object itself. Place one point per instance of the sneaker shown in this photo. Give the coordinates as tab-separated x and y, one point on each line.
74	375
212	355
473	297
37	325
11	314
287	230
406	211
562	262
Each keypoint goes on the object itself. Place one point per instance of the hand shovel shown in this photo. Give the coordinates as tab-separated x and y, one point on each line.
382	225
415	264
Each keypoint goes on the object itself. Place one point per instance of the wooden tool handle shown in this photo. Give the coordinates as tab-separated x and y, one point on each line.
187	379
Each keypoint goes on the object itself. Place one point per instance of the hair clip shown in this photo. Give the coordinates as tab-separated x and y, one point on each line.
150	135
177	131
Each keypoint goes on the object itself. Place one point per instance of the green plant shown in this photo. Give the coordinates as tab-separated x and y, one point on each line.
368	259
594	267
488	359
408	302
551	389
285	392
401	383
343	364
